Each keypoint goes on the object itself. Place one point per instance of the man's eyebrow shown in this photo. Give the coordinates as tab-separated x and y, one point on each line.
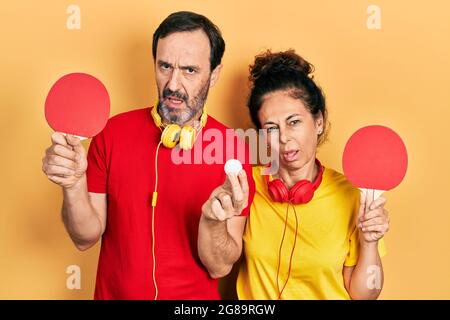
194	67
161	62
269	122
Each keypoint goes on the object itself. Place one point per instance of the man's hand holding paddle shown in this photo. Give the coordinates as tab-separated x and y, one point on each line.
65	160
77	107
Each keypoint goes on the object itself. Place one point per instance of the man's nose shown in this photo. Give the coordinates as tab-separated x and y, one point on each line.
174	80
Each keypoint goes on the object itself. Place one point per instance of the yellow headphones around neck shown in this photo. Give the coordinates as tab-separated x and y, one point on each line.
172	134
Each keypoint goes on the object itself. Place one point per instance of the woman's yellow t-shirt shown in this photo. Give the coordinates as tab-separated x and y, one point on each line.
327	241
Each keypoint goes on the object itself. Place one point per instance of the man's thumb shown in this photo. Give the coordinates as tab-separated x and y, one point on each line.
75	143
72	140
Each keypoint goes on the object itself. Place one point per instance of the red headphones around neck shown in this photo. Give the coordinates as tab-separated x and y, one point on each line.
302	192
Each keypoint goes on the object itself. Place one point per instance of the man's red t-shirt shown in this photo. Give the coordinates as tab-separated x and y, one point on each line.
121	163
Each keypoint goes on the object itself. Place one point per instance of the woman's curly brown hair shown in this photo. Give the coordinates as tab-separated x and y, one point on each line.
285	71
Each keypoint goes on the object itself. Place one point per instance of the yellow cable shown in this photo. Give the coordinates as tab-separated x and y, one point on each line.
154	199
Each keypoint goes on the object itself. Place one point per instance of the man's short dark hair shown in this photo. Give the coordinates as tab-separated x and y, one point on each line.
190	21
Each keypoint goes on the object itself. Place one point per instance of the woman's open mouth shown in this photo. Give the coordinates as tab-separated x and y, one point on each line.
290	155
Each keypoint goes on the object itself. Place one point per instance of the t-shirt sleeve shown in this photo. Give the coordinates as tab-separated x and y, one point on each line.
96	172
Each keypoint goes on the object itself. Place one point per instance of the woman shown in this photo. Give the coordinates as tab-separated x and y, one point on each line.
310	234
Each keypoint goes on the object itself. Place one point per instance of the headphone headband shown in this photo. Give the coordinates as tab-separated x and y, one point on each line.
302	192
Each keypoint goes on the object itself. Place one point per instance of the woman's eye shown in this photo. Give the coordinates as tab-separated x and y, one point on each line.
294	122
271	129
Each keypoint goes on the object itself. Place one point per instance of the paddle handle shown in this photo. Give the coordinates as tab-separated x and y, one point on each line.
376	193
79	137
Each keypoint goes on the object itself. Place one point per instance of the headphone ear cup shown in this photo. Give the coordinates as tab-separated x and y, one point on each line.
278	191
171	135
187	138
302	192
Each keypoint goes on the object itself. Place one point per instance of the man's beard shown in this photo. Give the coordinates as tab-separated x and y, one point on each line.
180	117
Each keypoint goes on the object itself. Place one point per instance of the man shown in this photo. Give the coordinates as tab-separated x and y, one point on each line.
194	234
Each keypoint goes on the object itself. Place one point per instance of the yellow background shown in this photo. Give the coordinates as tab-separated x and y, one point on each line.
397	76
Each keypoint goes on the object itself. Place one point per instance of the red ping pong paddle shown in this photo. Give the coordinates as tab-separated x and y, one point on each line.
375	158
77	104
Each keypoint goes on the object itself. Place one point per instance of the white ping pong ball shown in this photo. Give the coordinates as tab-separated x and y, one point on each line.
233	166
